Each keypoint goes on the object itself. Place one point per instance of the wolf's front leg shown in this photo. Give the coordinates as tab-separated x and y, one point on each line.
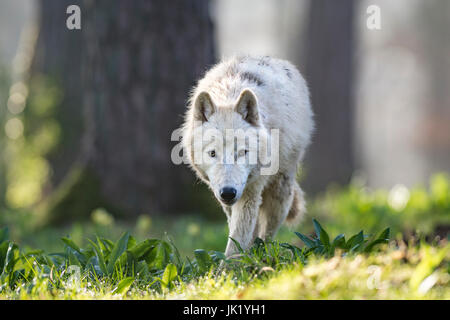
242	223
227	211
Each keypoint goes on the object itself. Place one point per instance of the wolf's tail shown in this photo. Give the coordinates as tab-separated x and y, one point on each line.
298	208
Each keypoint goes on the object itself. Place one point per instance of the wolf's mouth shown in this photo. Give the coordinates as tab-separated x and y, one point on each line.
228	202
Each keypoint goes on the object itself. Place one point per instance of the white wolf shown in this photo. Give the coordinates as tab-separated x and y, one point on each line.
242	93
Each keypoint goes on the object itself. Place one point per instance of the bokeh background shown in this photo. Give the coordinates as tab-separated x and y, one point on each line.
86	115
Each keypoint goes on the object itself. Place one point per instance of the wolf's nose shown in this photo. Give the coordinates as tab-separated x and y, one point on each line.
228	194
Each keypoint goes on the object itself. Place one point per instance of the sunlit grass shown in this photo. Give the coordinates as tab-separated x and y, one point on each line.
327	267
163	260
384	275
407	211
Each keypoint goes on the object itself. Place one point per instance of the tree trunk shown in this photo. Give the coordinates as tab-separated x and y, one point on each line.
56	65
50	108
140	59
329	72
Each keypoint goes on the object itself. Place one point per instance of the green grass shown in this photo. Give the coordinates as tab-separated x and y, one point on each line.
162	259
361	267
415	211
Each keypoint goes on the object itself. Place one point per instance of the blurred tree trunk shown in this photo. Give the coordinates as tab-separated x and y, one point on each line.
140	58
50	109
56	66
433	134
329	72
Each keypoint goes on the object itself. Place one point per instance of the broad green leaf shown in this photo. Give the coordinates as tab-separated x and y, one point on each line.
160	255
170	274
93	264
295	250
119	247
385	234
10	259
372	244
150	256
142	248
203	259
131	242
218	255
73	260
69	242
382	238
357	247
3	250
431	258
339	241
100	257
124	285
354	240
106	245
321	233
142	268
308	242
34	252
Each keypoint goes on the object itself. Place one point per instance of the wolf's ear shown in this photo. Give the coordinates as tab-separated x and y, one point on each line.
203	107
247	106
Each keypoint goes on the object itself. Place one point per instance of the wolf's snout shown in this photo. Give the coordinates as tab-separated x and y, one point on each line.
228	194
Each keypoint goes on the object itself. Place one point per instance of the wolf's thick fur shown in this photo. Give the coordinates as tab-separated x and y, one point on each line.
253	92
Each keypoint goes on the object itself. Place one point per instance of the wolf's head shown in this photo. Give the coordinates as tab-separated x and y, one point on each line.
225	144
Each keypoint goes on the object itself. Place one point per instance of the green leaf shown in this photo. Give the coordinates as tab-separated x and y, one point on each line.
105	246
385	234
10	260
100	257
321	233
160	255
142	268
308	242
35	252
131	242
124	285
73	260
3	250
238	245
218	255
357	247
119	247
142	248
69	242
170	274
4	234
339	241
382	238
297	252
203	259
259	242
354	240
372	244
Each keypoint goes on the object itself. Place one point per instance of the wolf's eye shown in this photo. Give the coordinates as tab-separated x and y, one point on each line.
212	153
